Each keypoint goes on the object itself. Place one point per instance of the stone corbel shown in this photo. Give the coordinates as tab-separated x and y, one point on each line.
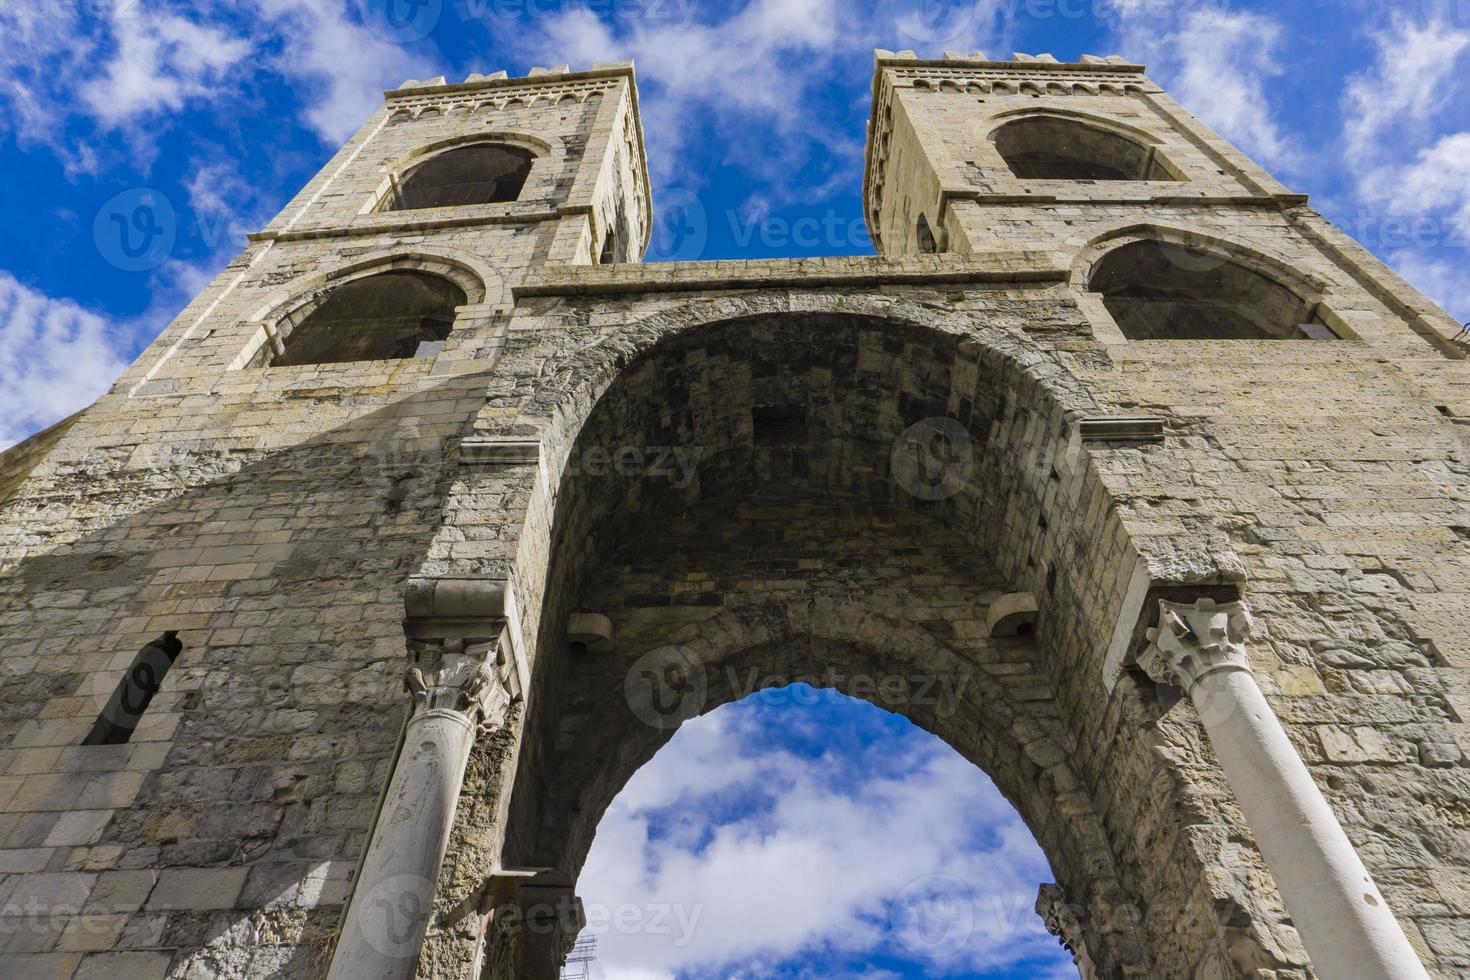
1062	921
463	616
530	919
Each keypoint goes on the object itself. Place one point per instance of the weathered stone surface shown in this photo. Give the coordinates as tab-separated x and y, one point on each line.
821	469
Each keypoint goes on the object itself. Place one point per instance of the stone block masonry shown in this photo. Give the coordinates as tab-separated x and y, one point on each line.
824	469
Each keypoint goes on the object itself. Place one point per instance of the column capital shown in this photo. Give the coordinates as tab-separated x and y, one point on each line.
474	677
1194	640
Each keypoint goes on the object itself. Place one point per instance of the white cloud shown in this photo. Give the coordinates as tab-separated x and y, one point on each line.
1400	93
753	858
1218	63
1407	172
1444	281
55	358
764	75
161	61
125	65
345	65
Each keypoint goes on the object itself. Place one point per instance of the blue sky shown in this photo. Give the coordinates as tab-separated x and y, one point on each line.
801	834
754	113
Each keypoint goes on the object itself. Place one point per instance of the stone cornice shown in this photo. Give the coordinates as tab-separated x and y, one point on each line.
863	272
543	79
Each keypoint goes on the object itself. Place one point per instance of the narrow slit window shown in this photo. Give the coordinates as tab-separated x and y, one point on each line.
134	692
927	243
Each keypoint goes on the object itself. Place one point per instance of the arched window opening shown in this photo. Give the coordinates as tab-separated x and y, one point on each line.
484	173
927	243
399	313
609	249
1162	291
782	795
1048	148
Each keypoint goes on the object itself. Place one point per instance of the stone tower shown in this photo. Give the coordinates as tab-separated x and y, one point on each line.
330	632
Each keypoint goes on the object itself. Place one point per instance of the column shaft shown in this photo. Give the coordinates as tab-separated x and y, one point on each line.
389	914
1347	927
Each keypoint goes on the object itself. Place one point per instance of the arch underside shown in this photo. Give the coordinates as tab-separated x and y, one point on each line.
792	514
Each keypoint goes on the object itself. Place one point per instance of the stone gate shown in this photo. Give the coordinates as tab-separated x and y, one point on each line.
331	631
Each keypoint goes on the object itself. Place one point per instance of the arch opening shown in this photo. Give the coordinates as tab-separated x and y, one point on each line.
746	828
481	173
787	494
1052	148
394	314
1159	290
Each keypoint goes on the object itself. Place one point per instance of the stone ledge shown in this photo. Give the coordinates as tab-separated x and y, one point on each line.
487	451
1121	428
666	277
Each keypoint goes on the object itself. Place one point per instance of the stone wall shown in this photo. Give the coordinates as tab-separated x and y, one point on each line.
273	515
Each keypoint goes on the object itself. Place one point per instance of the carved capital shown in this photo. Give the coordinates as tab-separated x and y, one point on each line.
1194	640
475	677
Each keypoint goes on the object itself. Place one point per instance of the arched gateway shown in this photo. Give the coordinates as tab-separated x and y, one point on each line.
1192	596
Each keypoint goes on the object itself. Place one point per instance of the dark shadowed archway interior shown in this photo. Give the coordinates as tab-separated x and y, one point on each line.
813	498
1050	148
778	837
483	173
399	313
1159	290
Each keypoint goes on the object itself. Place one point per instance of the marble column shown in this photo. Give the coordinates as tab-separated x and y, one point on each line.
1346	926
460	688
